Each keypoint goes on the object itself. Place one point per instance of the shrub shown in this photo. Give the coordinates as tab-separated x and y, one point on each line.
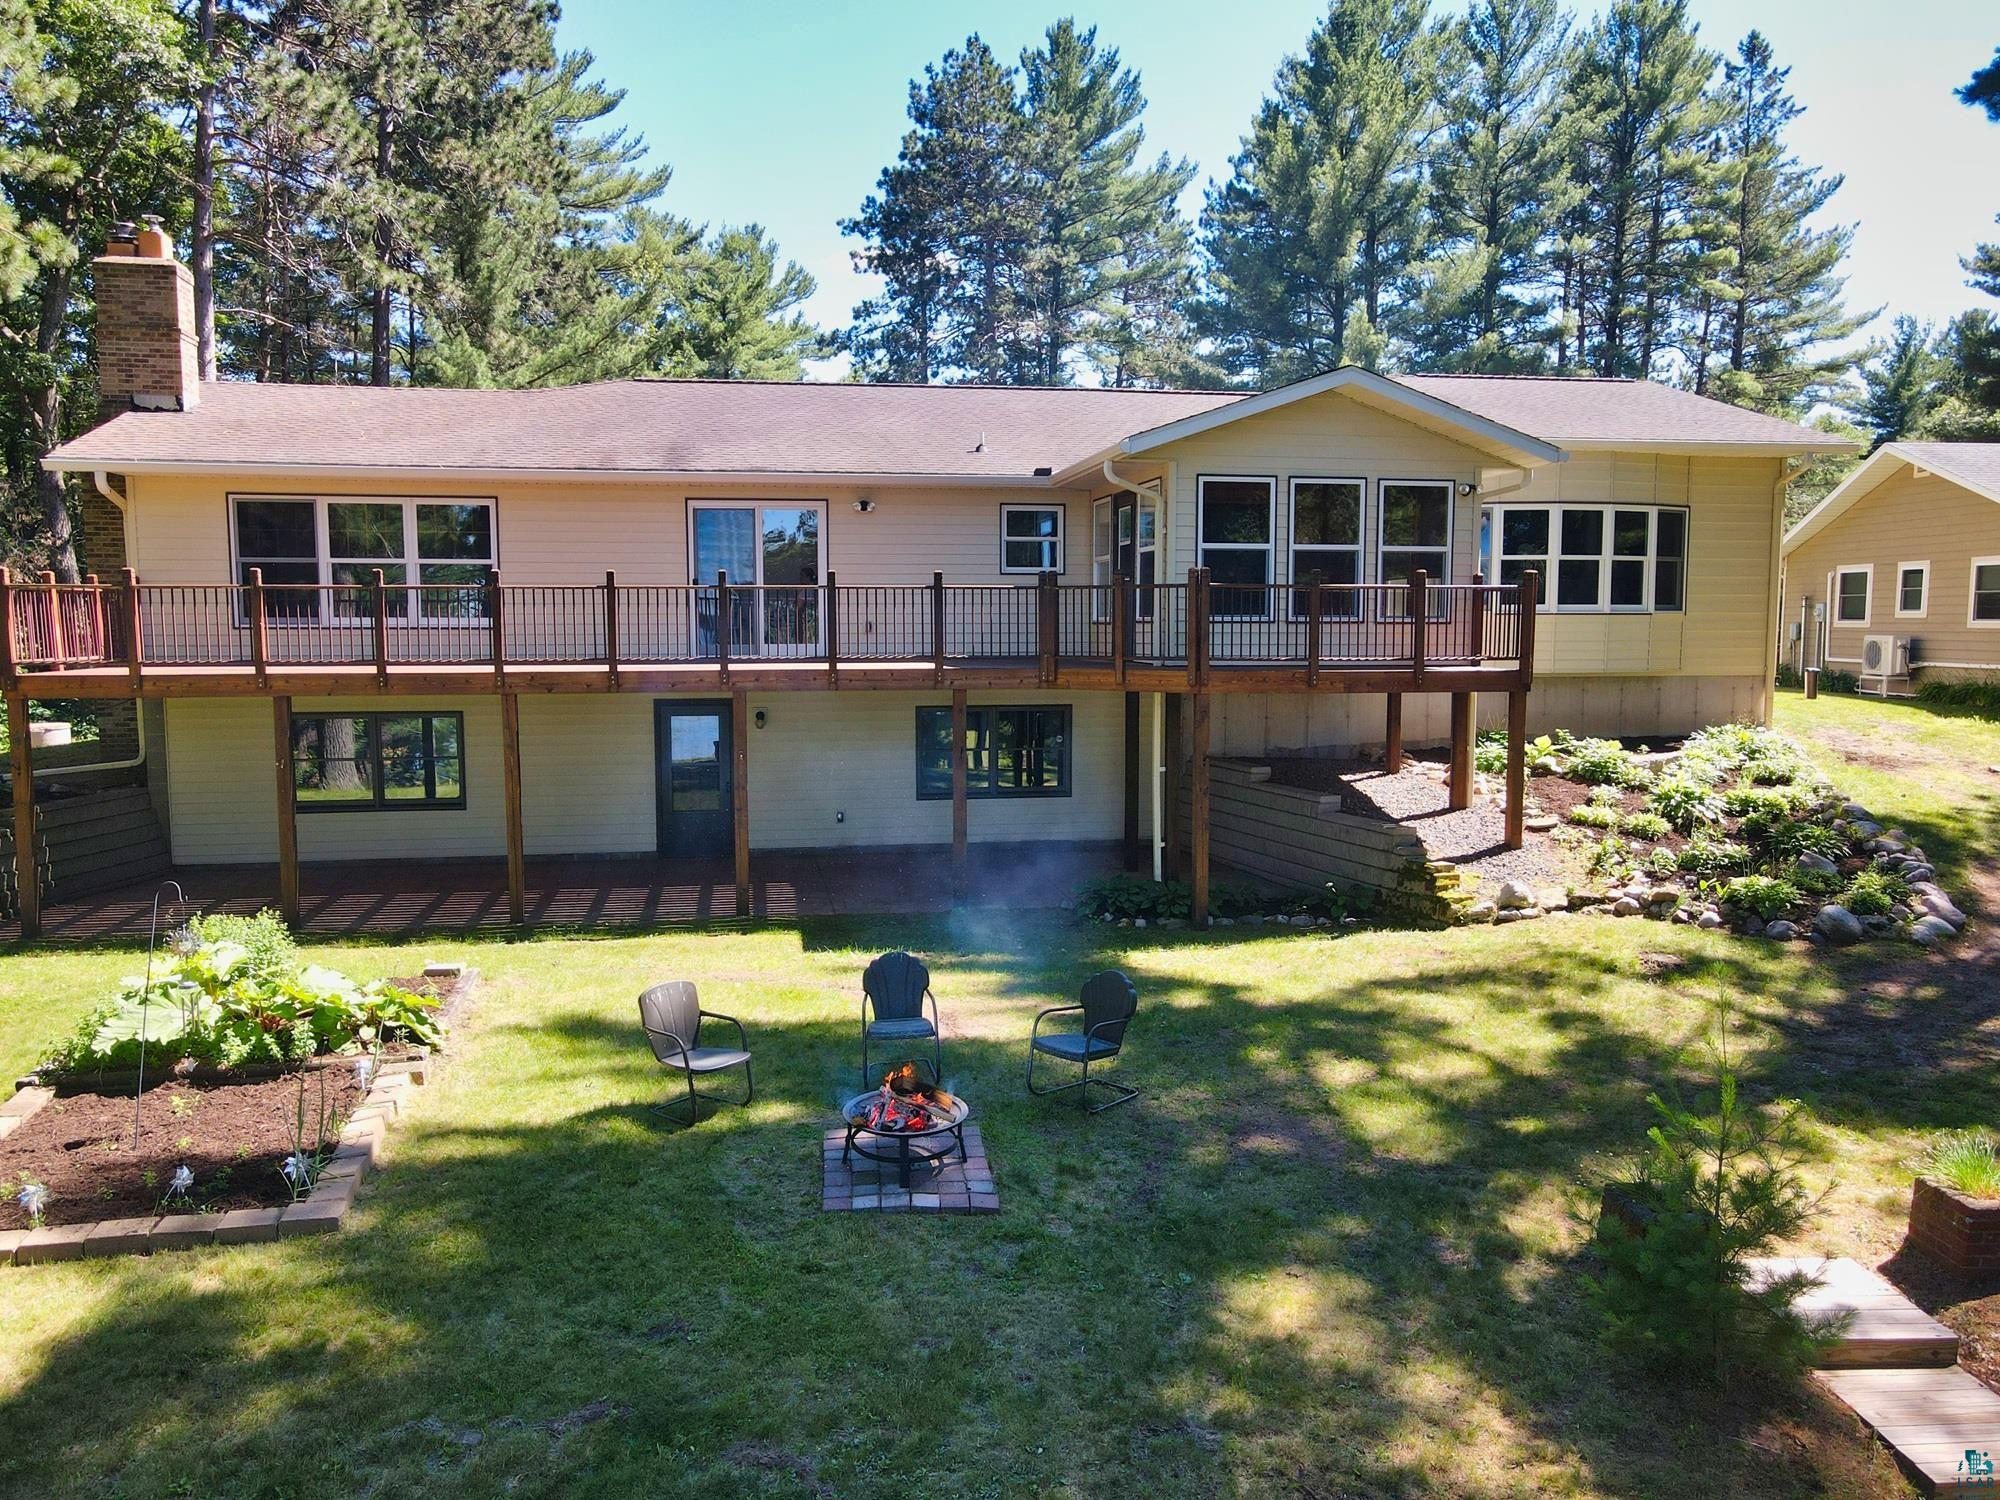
1662	861
1980	694
1873	893
1747	801
1543	756
1132	896
1788	677
1602	763
1833	680
268	949
1609	854
1784	835
1815	882
1644	825
1684	803
1594	815
1607	796
1766	896
1966	1161
1718	1185
1489	752
1707	856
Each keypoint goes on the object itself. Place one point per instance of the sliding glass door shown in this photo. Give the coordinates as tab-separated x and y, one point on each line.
780	546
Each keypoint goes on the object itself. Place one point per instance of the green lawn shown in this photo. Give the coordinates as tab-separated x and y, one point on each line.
1332	1251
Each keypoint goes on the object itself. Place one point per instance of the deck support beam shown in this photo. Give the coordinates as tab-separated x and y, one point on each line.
1461	751
1134	769
20	752
958	819
1198	821
1170	754
510	761
1392	733
739	794
1517	767
288	811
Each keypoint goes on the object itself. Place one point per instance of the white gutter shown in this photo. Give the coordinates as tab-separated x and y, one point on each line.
1159	777
526	475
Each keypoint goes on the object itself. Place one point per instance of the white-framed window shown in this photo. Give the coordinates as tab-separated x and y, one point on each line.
1913	590
1984	609
1237	513
1326	541
1849	589
318	554
1031	538
1100	541
1591	559
1413	529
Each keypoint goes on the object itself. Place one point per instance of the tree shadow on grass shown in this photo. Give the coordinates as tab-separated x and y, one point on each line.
1323	1254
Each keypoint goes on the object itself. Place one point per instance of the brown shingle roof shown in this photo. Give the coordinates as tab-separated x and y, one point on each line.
748	427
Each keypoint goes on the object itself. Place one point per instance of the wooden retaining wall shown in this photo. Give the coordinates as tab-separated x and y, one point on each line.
1293	836
88	843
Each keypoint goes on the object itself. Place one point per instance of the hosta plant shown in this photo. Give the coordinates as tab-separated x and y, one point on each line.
1684	803
1765	895
1874	893
1644	825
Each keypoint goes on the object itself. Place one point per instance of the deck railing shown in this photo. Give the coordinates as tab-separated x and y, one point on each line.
384	623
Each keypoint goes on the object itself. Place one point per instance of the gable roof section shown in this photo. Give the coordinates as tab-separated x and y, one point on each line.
1401	398
1970	466
883	434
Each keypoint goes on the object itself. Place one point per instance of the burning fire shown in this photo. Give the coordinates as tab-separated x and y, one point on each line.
905	1104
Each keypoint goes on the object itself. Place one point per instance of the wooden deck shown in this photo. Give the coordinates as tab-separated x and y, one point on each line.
1883	1328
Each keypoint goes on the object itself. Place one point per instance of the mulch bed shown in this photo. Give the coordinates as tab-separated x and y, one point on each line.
232	1133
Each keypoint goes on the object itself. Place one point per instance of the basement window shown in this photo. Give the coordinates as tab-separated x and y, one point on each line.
1009	752
377	762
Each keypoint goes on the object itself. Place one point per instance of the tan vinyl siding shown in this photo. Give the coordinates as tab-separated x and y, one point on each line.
1904	520
587	773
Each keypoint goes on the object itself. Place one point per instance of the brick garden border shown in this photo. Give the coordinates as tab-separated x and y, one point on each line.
1960	1233
363	1145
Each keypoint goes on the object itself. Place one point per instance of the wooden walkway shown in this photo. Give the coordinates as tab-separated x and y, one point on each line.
1896	1367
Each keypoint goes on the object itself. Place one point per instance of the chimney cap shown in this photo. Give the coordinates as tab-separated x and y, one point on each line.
152	221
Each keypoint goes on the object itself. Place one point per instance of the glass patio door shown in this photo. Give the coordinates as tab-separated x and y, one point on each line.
777	545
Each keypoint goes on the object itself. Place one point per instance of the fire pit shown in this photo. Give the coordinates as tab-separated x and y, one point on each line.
904	1122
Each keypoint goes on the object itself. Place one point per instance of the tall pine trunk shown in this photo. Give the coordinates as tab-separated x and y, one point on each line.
204	197
41	402
383	310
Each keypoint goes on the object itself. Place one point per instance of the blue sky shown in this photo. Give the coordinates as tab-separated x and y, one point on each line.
782	112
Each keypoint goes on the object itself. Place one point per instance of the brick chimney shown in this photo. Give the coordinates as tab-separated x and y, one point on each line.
146	355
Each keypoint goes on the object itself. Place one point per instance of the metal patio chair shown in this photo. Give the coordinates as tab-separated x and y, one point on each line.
1109	1001
896	986
671	1014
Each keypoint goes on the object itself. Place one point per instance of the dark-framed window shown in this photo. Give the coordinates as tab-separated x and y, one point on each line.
1235	517
1009	752
375	762
1031	538
1326	542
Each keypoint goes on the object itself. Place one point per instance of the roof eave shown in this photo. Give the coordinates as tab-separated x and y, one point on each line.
1879	467
59	462
1781	448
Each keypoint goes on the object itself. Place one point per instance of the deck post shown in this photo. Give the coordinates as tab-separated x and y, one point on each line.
1198	821
1517	767
510	774
739	794
937	629
288	812
1133	771
1419	622
1392	733
1191	626
260	629
10	678
135	630
382	630
832	626
611	625
1048	627
1170	752
58	645
1525	606
1314	593
1121	648
1478	617
1461	751
958	779
497	626
20	752
725	626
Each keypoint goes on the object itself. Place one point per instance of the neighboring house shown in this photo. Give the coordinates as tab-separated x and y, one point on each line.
1905	553
869	614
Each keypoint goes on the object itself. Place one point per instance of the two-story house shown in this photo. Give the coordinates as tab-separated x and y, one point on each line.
706	619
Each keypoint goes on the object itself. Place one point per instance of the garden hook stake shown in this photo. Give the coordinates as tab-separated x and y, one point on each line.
146	999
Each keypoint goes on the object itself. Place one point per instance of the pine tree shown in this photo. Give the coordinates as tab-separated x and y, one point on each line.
1311	241
1902	378
731	314
1638	99
1094	205
1499	184
1979	357
1779	303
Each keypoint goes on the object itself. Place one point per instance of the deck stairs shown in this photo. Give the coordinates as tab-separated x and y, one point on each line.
88	843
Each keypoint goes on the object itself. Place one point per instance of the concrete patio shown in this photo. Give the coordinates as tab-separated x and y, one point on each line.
408	896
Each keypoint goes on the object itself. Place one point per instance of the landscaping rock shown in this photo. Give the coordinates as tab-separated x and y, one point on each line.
1838	925
1878	926
1865	828
1625	906
1708	921
1930	931
1512	914
1934	901
1514	895
1782	931
1539	822
1817	864
1553	901
1854	811
1663	895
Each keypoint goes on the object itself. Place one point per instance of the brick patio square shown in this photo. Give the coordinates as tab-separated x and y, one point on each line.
946	1186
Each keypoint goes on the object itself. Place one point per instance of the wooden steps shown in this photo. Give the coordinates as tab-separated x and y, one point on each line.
1942	1425
1896	1367
1884	1330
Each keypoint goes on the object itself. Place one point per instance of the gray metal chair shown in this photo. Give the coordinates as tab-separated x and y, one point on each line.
896	986
672	1015
1109	1001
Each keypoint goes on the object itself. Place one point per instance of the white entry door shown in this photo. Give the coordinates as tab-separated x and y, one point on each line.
778	545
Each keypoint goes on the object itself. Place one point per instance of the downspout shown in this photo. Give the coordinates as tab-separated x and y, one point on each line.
100	480
1159	776
1788	470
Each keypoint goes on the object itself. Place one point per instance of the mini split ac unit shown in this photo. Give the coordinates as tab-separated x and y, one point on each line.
1886	658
